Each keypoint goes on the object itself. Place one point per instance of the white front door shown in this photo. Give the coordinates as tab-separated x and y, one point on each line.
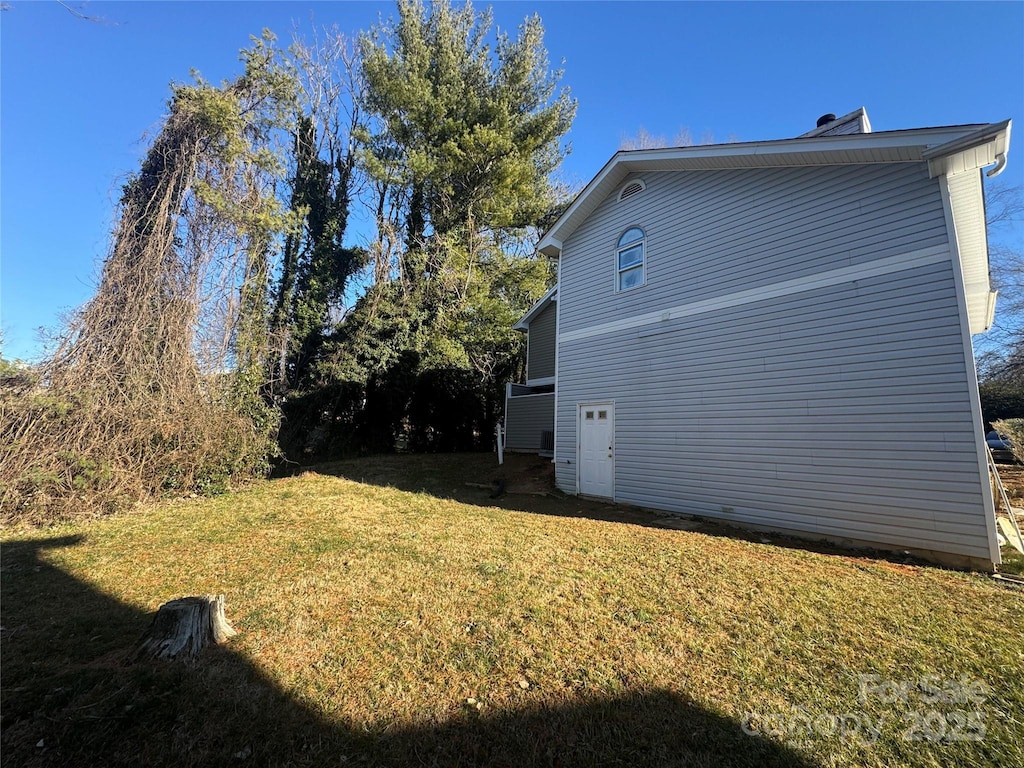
596	449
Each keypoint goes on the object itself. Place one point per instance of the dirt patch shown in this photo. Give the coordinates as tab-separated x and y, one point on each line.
1012	476
527	474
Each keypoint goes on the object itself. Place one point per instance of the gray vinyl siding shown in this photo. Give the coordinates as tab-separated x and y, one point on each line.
709	234
842	411
526	418
845	129
540	362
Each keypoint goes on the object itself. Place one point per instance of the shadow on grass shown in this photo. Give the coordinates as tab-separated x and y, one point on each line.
69	699
460	476
470	478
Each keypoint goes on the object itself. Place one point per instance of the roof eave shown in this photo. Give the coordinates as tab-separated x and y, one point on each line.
978	149
525	320
886	146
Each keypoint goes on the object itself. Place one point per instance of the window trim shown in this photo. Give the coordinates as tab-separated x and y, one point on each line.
643	259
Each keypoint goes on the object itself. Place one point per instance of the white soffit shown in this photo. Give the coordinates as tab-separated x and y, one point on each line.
961	161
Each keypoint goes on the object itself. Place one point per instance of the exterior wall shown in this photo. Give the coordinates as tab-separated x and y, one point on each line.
540	358
794	361
712	233
526	418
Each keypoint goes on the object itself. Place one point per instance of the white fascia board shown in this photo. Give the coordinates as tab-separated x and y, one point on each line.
918	137
967	153
885	146
524	322
550	247
551	243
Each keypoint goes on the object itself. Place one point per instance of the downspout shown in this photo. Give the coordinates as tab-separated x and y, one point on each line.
991	173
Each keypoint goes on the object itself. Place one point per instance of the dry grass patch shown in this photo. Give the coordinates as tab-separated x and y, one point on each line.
395	626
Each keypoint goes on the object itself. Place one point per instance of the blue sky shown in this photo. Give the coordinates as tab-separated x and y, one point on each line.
77	98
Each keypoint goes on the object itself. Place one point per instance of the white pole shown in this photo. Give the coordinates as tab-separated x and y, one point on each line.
501	446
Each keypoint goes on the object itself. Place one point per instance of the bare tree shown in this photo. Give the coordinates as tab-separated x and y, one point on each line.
1001	350
644	139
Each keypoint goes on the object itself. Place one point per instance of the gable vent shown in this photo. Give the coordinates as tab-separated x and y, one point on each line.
631	189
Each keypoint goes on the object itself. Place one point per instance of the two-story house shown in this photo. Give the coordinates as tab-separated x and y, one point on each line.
777	334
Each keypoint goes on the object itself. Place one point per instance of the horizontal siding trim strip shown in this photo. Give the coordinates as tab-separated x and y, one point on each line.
889	265
816	372
850	218
914	229
802	312
893	346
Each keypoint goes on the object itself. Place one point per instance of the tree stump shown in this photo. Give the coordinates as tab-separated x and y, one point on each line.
183	627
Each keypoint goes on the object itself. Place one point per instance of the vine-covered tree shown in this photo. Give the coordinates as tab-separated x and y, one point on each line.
223	296
316	264
157	383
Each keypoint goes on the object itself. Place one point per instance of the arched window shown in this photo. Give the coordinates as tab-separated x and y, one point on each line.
630	259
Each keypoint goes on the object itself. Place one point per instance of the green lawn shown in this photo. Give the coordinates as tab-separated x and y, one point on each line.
390	614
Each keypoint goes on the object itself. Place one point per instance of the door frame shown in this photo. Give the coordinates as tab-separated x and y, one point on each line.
579	441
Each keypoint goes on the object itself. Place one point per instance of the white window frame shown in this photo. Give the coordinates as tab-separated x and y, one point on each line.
643	259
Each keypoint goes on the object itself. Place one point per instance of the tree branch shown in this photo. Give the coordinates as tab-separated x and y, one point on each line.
80	15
